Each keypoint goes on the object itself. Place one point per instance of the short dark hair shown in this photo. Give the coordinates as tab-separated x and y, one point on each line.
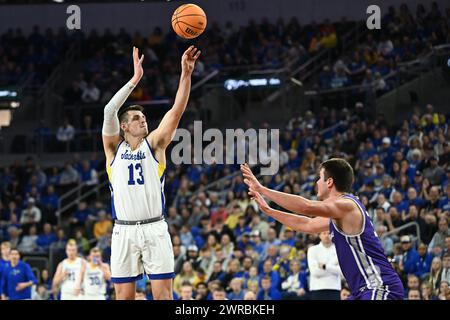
340	171
123	111
123	114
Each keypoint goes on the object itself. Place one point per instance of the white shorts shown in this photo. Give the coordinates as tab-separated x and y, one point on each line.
136	249
70	296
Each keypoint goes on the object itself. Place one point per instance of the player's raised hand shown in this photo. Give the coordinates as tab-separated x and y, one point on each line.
262	204
250	179
137	62
188	59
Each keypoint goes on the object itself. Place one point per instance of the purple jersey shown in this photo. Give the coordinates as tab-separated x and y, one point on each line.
363	263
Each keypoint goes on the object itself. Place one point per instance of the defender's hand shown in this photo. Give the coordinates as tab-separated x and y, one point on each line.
250	179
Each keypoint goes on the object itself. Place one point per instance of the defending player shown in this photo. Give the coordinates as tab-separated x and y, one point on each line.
369	274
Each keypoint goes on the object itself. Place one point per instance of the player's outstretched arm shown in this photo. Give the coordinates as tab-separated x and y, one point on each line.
297	204
111	125
163	135
295	222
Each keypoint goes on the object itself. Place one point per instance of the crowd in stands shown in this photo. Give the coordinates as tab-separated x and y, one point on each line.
34	55
262	45
401	175
405	36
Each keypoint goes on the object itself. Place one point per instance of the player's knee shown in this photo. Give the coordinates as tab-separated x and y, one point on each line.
125	293
164	294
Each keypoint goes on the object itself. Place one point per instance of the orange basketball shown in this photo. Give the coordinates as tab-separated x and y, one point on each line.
189	21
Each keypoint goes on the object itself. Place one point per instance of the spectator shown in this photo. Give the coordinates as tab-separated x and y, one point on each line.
434	277
438	242
249	295
102	225
65	135
268	291
325	281
386	241
88	175
46	238
424	261
69	176
82	242
187	274
267	271
202	291
345	293
32	214
80	217
295	286
445	276
410	256
434	172
186	291
219	294
29	241
412	284
444	291
414	294
427	291
257	224
236	290
90	93
14	236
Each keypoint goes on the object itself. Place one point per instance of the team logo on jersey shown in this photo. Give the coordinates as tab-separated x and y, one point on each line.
127	155
331	235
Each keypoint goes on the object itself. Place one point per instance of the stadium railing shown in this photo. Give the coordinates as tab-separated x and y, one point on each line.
305	71
403	227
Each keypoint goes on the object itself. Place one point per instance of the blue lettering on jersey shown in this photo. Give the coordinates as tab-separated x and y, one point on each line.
129	156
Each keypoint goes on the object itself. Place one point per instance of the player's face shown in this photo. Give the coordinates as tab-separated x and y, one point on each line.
137	124
95	257
71	251
322	186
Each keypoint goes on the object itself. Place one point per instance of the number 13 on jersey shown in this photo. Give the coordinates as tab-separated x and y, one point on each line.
138	168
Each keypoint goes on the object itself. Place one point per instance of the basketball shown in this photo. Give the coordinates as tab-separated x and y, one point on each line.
189	21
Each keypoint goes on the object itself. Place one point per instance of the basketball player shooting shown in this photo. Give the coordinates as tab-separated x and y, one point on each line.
135	163
361	257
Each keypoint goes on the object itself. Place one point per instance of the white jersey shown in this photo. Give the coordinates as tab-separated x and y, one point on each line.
137	182
74	268
94	283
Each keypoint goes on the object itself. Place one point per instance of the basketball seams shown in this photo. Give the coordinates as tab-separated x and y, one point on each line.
189	15
191	25
184	7
187	36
